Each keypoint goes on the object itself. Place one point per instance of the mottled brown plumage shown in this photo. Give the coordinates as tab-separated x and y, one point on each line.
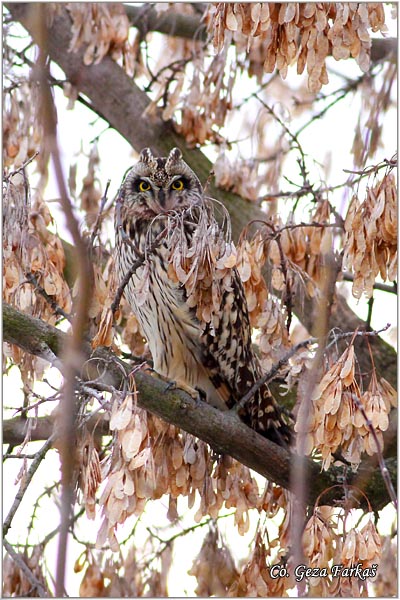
160	211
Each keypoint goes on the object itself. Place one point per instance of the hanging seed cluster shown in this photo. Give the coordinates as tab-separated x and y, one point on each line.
303	248
385	585
376	98
255	579
248	177
199	97
22	132
344	417
324	545
240	176
363	546
203	263
305	34
265	312
15	581
131	334
203	108
214	567
29	247
370	244
123	575
152	458
101	29
89	477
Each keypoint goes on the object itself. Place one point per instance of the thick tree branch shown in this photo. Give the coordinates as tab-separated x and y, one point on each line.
222	430
145	18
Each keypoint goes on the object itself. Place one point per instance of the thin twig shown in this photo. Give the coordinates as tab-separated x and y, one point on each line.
331	188
175	536
22	167
61	84
174	66
295	141
133	268
99	214
40	290
272	373
33	520
25	483
73	355
42	400
55	531
19	561
391	163
338	336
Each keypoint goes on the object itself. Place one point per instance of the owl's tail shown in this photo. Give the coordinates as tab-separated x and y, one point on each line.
263	414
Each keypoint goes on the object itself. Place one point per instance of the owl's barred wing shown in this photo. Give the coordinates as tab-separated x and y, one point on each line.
204	262
233	368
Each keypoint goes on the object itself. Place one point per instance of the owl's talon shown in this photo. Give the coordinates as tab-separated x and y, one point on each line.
201	396
171	385
181	385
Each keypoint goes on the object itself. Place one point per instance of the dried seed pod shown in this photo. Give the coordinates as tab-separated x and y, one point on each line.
369	246
284	32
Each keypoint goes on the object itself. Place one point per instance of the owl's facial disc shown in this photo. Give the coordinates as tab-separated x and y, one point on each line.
163	197
160	184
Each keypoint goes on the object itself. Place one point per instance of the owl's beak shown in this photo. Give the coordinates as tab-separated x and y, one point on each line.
157	200
161	201
161	198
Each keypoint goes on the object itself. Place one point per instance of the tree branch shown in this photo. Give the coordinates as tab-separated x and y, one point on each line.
19	561
225	433
26	481
145	18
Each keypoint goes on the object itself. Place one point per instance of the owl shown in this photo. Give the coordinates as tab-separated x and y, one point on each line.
211	356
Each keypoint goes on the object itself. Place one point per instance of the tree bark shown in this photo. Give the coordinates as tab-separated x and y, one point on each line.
224	431
145	18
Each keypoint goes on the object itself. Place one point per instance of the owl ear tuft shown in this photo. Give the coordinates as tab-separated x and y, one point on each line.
146	156
173	157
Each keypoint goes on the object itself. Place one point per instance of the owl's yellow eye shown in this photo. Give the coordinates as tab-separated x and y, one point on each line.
144	186
177	185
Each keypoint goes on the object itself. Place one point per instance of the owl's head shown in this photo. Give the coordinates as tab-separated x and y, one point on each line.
157	185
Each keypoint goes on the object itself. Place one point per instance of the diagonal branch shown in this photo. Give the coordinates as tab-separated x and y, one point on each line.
25	483
224	432
19	561
146	18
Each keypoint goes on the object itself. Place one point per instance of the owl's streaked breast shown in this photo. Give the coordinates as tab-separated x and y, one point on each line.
168	324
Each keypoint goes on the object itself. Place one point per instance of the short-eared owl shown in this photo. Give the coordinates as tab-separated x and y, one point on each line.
213	356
